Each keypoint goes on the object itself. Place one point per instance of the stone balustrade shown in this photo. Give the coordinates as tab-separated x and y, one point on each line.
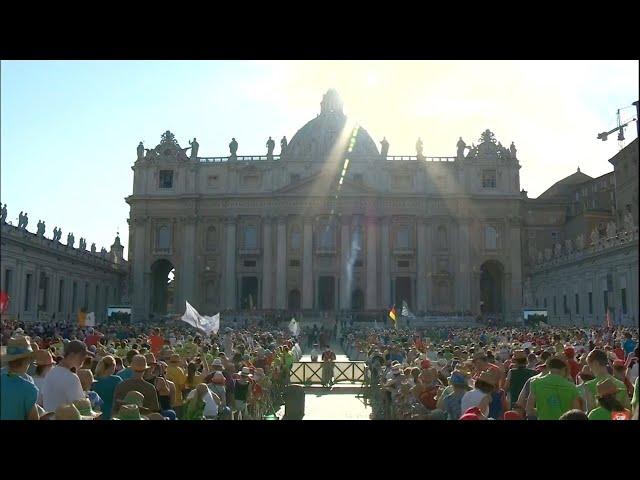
621	239
254	158
96	258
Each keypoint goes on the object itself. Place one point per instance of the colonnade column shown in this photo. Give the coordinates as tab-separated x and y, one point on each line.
230	265
516	269
281	264
307	264
267	264
464	274
371	299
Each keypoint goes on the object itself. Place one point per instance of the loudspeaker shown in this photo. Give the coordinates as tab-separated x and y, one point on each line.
294	402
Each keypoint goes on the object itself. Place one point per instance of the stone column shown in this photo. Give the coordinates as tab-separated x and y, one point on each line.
307	264
188	253
385	270
371	298
140	307
428	235
346	273
463	277
281	264
421	281
267	264
516	270
230	263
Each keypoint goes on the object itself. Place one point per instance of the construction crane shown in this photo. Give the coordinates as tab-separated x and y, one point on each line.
620	129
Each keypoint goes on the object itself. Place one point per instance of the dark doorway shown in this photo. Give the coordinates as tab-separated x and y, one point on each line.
162	287
403	292
357	300
491	287
326	293
249	293
294	300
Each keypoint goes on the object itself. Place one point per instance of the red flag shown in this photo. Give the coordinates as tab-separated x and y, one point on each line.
4	301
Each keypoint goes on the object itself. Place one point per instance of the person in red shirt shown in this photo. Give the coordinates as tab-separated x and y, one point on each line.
618	351
93	338
574	367
156	341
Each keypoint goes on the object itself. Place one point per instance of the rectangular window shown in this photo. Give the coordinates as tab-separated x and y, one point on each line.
294	178
74	297
488	179
590	303
250	237
577	303
166	179
27	292
294	263
402	237
358	263
623	300
7	281
565	307
249	263
61	296
545	302
403	264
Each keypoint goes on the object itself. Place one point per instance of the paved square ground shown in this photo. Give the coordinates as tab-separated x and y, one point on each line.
340	403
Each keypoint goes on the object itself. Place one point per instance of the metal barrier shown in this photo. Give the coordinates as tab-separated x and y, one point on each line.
311	372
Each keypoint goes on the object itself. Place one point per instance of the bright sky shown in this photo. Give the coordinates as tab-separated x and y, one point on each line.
69	129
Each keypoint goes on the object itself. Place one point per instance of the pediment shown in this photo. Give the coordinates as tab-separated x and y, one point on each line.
325	184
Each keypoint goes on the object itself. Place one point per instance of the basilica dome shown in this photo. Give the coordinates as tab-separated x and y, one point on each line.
328	136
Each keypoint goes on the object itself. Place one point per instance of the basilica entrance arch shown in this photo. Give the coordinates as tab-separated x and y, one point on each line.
492	288
162	287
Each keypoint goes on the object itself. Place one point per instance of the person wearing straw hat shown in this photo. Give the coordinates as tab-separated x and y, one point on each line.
85	408
137	383
44	363
62	386
480	395
18	396
608	403
67	412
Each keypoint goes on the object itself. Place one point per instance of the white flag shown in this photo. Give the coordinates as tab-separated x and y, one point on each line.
211	324
90	320
293	327
192	317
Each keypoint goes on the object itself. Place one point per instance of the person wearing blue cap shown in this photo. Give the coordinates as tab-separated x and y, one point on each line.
453	401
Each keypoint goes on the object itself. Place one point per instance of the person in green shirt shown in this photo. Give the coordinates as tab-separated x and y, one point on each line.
608	402
552	395
598	361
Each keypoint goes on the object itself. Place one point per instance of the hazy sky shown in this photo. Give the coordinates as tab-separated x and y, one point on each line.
69	130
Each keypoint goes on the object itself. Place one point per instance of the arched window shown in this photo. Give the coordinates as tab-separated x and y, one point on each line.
163	238
212	239
296	237
402	237
490	237
328	237
442	237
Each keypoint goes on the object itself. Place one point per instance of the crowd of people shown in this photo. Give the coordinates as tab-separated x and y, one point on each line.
120	371
60	371
499	373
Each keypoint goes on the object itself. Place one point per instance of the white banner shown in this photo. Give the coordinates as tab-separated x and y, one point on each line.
90	320
204	323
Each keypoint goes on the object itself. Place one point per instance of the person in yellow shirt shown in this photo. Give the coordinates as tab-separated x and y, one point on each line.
176	374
